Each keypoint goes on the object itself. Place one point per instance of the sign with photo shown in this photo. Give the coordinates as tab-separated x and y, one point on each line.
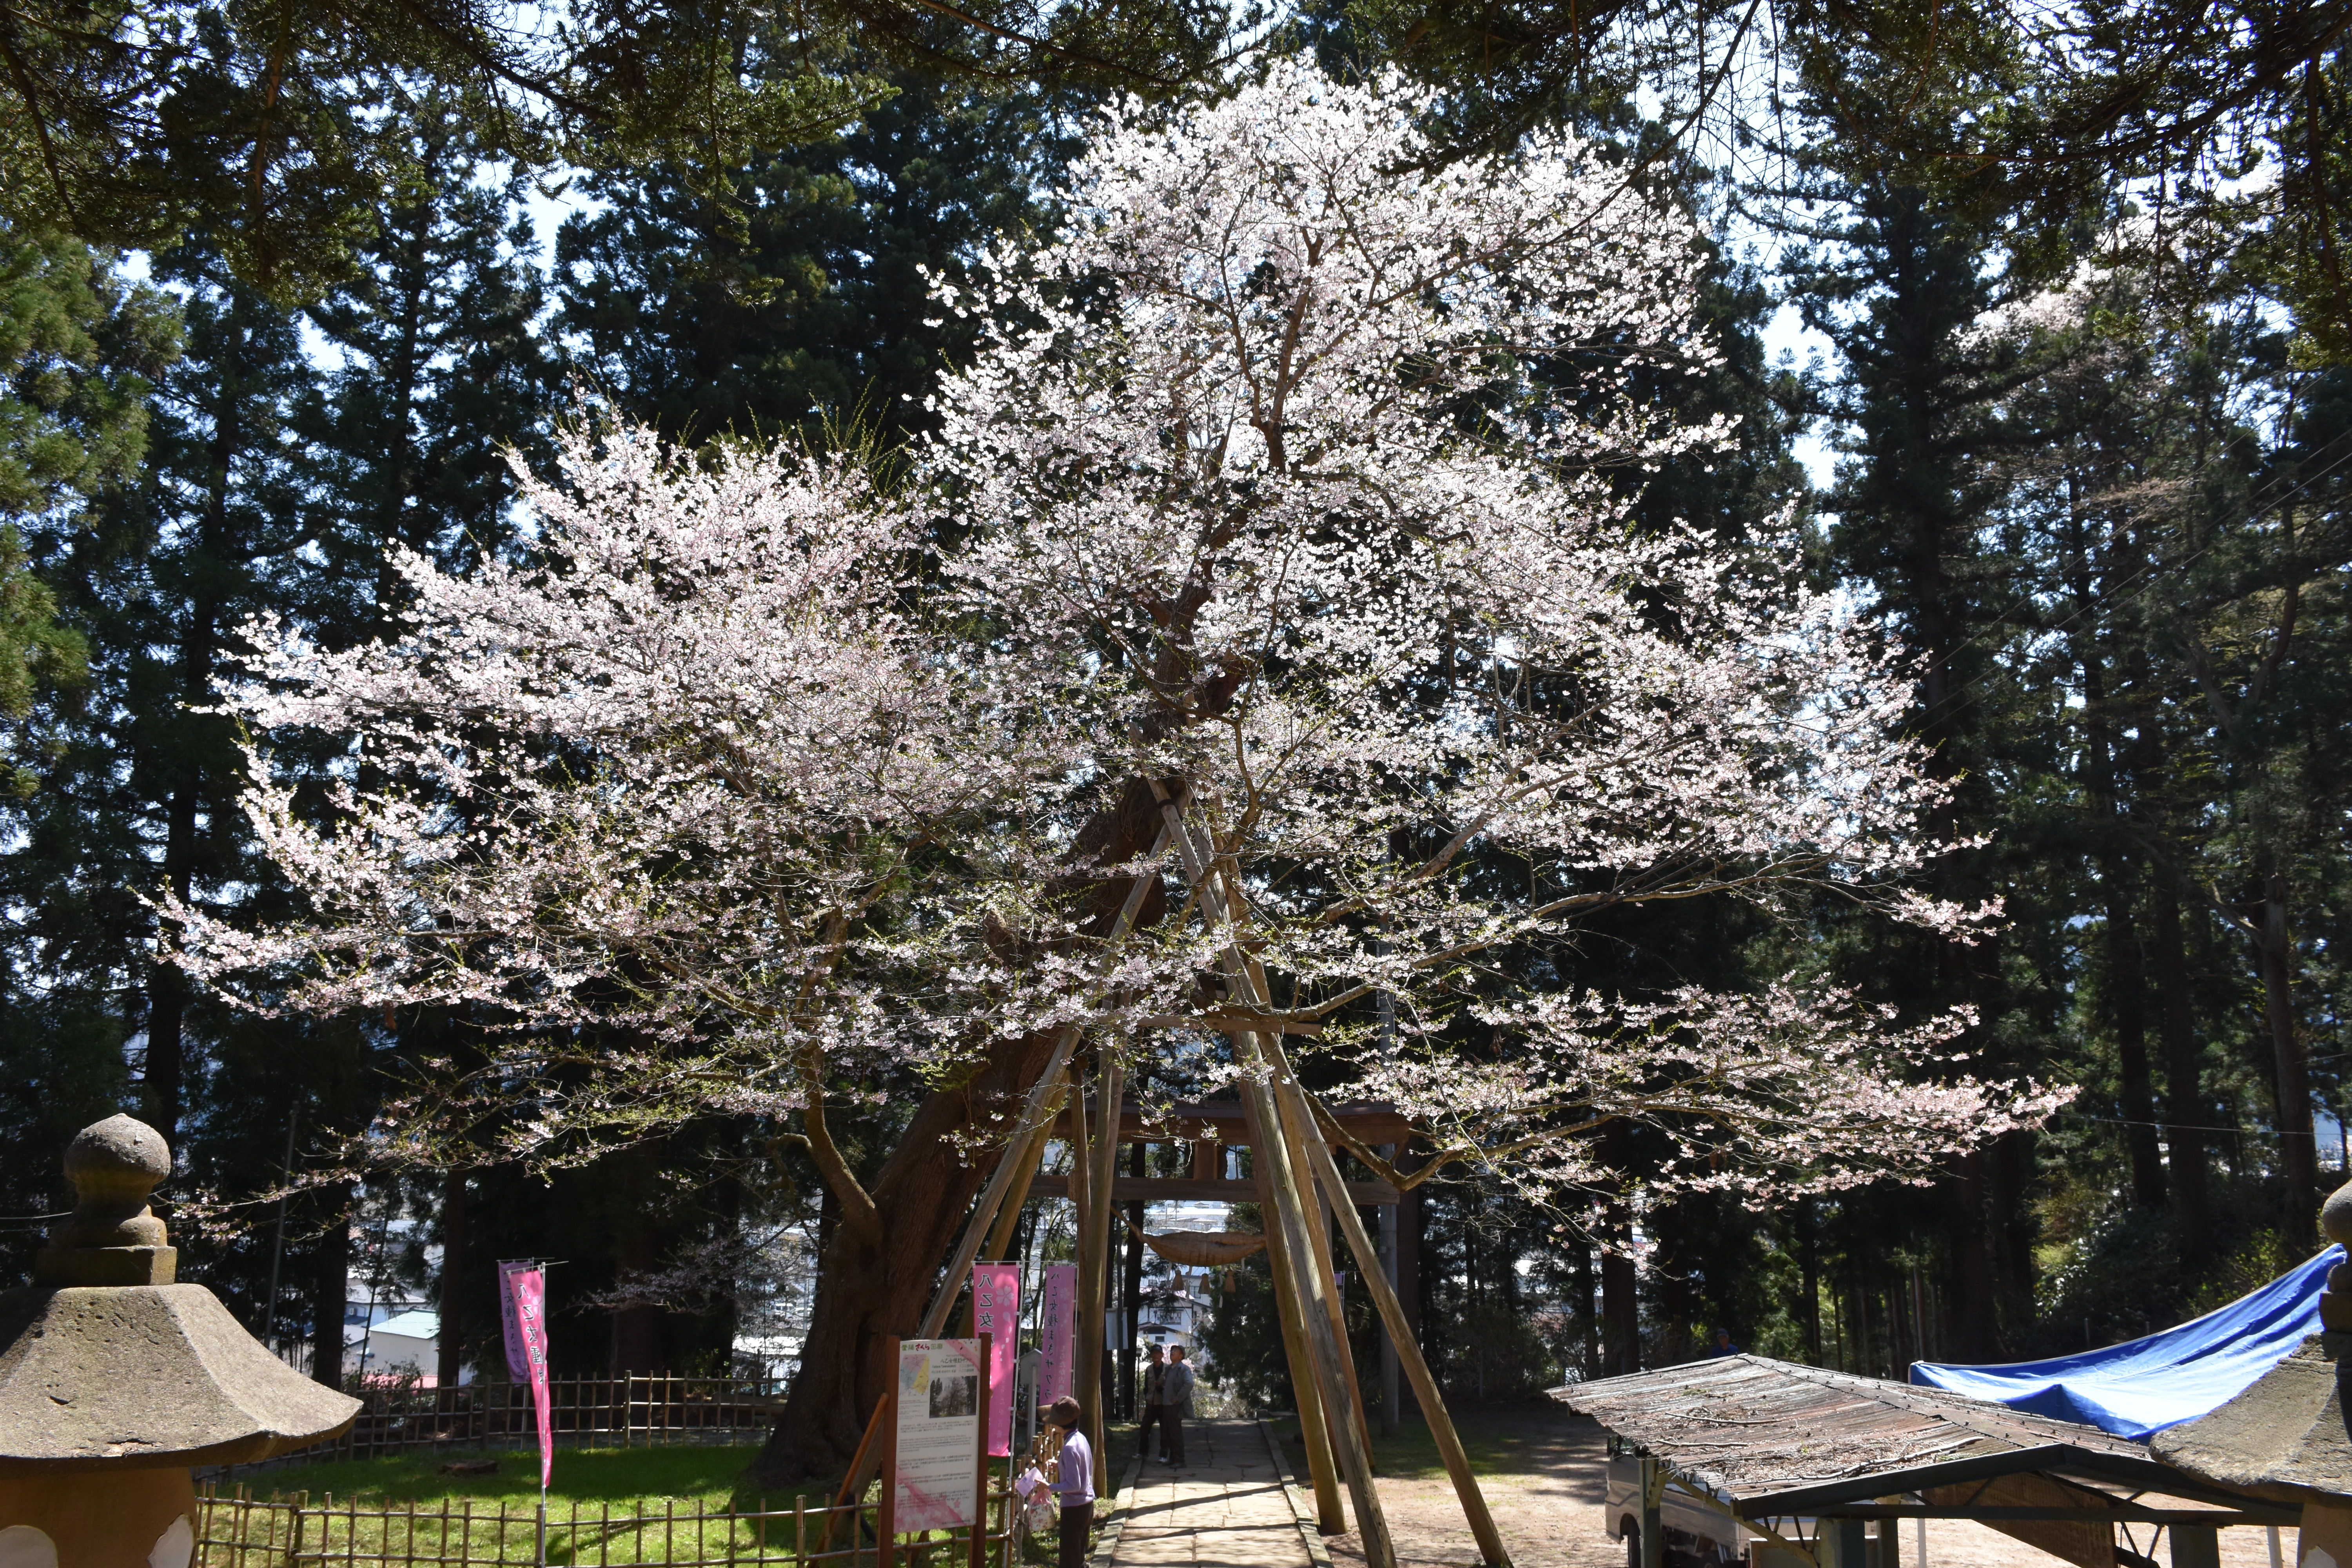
939	1437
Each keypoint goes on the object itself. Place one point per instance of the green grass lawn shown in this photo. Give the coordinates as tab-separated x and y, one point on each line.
712	1475
606	1507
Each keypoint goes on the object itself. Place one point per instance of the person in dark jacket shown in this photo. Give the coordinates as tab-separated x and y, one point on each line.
1175	1402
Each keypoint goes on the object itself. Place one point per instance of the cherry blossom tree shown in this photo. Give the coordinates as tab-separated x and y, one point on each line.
1272	457
1270	565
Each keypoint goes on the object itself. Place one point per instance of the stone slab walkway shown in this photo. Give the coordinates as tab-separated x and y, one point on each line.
1226	1508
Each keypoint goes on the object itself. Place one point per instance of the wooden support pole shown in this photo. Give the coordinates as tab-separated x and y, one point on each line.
886	1522
1289	1182
980	1471
1296	1125
1391	1389
1080	1137
1408	1348
1322	1467
1342	1400
1654	1533
1094	1247
1000	1240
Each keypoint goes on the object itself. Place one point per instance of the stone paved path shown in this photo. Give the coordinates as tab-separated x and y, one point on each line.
1223	1509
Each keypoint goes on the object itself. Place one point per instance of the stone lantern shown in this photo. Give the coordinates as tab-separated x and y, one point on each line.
114	1380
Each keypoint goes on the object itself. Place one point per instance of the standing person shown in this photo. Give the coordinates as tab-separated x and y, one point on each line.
1175	1402
1074	1482
1155	1380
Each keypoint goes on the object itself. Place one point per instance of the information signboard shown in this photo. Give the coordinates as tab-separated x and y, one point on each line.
937	1463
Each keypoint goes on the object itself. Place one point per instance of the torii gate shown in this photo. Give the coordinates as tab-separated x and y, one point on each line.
1211	1128
1293	1173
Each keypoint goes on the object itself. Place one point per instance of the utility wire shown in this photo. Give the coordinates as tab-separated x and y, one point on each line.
1967	691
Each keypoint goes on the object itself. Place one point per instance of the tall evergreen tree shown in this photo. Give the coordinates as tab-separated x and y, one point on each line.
808	307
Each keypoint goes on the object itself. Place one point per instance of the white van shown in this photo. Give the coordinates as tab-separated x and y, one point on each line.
1699	1534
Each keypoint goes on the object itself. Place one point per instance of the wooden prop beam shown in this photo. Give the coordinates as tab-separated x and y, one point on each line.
1094	1251
1275	1150
1000	1240
1318	1213
1408	1350
1314	1432
885	1523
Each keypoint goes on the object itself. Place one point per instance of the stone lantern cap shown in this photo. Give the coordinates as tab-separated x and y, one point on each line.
105	1363
2285	1434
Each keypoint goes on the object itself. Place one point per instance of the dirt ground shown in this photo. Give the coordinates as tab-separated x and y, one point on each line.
1541	1469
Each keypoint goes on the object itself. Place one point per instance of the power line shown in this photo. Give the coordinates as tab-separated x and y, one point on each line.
1970	689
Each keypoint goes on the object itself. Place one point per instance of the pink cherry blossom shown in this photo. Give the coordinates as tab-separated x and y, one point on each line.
1283	477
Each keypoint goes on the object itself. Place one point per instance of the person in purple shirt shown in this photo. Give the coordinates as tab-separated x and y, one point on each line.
1073	1481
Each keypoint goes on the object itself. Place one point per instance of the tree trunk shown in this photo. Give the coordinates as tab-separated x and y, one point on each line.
2125	984
1621	1314
2185	1101
874	1284
1976	1317
331	1287
1671	1272
1809	1264
165	1074
2298	1149
2012	1175
638	1339
455	1261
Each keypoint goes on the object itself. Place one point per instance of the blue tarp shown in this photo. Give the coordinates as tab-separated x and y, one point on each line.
2144	1386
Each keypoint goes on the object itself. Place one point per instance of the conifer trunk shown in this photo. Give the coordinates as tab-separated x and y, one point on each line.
2184	1105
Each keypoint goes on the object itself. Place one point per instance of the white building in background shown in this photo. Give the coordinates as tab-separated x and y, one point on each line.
407	1344
1177	1299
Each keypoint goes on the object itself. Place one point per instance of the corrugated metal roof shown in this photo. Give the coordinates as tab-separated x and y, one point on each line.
1748	1427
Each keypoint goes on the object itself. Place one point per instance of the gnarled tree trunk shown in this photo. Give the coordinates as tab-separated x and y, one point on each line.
874	1282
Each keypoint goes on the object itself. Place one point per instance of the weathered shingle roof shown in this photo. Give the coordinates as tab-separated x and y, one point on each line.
1749	1428
2284	1436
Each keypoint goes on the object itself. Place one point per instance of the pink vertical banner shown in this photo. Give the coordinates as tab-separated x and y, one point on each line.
996	1311
1058	1327
524	1293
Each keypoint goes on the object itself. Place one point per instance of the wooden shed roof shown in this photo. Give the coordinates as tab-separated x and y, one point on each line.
1771	1438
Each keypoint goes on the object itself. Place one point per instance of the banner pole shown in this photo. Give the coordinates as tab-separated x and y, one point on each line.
980	1471
885	1540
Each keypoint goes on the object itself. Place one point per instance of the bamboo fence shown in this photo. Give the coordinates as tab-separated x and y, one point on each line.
599	1412
236	1530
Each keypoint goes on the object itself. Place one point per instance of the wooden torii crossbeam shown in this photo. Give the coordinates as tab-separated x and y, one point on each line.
1212	1127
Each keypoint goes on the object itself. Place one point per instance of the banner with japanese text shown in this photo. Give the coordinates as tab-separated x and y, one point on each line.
523	1295
996	1311
1057	1331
